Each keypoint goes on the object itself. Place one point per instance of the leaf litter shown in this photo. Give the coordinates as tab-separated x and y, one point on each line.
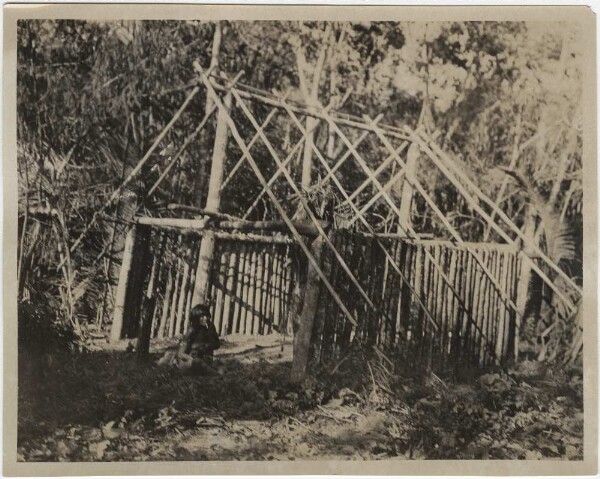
107	406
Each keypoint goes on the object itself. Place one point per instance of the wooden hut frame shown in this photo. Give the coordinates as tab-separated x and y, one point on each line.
568	292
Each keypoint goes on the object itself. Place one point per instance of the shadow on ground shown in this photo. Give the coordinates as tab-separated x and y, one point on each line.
109	406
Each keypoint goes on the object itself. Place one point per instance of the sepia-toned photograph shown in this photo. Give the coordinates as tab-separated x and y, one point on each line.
300	240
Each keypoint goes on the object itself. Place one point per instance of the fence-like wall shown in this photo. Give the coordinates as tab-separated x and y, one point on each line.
471	320
434	303
251	282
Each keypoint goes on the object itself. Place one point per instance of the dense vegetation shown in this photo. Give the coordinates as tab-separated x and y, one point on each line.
503	98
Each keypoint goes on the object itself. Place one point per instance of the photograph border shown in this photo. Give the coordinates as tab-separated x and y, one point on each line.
584	15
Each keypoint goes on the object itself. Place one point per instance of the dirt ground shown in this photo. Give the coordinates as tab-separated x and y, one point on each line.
105	405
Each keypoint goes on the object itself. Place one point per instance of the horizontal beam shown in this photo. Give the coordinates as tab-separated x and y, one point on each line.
205	224
201	211
304	228
308	111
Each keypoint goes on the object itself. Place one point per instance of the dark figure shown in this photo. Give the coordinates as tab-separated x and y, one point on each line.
201	339
195	351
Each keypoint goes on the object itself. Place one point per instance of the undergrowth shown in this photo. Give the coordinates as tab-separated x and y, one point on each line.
109	406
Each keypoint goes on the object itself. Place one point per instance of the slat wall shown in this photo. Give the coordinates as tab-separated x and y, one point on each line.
251	286
251	282
253	279
474	324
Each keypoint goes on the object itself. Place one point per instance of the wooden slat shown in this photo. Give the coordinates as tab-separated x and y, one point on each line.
275	201
303	201
444	168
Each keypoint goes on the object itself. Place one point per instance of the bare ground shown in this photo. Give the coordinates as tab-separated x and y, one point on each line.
105	405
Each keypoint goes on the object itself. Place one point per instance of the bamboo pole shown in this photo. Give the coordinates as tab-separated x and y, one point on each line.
219	286
160	255
154	271
450	304
269	284
201	211
284	290
358	213
117	324
182	298
213	201
229	284
276	202
172	222
276	290
446	169
174	299
194	256
480	297
303	201
264	292
256	321
219	235
166	303
240	162
499	311
439	300
249	321
136	169
492	316
239	271
513	325
304	228
245	286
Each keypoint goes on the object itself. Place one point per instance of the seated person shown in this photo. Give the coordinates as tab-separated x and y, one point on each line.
195	351
201	339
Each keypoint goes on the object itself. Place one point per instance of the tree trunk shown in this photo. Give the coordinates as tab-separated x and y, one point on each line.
303	334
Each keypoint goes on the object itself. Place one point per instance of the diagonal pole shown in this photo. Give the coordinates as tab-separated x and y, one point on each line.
417	184
378	195
256	136
408	230
134	172
449	164
276	203
377	171
367	224
305	204
276	175
183	147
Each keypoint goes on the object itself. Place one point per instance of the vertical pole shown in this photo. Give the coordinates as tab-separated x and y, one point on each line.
303	335
407	189
307	156
213	202
117	324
